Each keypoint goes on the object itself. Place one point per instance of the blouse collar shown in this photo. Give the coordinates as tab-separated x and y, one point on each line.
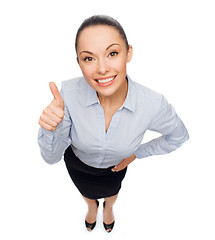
129	103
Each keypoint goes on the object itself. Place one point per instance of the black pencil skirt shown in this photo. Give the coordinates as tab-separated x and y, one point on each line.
93	183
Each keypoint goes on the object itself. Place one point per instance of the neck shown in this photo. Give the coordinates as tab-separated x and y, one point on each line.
115	100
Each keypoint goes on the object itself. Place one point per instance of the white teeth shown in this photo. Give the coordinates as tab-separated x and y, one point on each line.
106	80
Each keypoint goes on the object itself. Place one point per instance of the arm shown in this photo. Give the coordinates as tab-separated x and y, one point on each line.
53	143
54	133
173	131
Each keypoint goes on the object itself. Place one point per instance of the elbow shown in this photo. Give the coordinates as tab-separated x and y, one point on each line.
179	136
176	142
185	137
51	160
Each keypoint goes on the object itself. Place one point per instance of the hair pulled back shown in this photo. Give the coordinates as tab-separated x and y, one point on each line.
101	20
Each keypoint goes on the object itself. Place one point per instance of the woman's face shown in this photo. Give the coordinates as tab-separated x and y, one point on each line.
102	56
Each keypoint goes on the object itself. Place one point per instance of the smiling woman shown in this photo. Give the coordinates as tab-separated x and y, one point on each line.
118	111
102	54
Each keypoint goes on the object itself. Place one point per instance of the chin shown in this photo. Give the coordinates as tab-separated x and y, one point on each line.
106	92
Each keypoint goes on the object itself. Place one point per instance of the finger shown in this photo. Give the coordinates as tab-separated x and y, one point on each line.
118	168
48	112
114	169
57	111
47	120
55	91
46	126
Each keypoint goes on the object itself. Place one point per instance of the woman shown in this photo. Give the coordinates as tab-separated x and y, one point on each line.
98	121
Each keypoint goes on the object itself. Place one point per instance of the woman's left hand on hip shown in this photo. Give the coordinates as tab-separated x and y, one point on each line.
123	164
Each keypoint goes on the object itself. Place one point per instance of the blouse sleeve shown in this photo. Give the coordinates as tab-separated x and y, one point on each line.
173	132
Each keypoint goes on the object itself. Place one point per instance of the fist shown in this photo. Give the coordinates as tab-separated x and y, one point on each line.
53	114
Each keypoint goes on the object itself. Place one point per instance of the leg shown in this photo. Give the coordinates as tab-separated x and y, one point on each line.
109	202
92	211
108	216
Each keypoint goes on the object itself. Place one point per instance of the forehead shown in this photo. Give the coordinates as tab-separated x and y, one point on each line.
95	38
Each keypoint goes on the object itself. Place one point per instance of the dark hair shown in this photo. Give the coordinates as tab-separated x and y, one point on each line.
101	20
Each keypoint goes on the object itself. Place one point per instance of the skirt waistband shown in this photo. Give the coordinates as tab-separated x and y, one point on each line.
75	163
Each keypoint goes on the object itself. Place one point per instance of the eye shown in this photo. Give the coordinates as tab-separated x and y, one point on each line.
114	53
88	59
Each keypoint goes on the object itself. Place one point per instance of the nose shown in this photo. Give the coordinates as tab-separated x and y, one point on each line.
102	67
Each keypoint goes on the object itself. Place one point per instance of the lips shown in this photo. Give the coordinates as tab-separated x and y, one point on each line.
106	81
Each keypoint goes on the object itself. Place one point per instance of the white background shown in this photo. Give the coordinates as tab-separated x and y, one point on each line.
163	197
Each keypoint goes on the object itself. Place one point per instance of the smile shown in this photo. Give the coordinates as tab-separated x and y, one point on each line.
106	80
103	82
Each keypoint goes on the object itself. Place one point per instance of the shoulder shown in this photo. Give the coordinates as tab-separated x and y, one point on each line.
75	91
74	84
146	94
149	102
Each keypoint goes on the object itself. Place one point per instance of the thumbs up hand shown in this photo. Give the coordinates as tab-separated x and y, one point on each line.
53	114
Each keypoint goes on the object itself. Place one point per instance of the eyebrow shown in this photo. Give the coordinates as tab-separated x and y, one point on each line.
105	50
112	45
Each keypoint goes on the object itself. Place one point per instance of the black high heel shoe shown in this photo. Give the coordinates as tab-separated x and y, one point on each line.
108	226
91	225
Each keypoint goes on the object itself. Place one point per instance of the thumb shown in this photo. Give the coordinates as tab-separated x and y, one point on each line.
56	94
55	91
